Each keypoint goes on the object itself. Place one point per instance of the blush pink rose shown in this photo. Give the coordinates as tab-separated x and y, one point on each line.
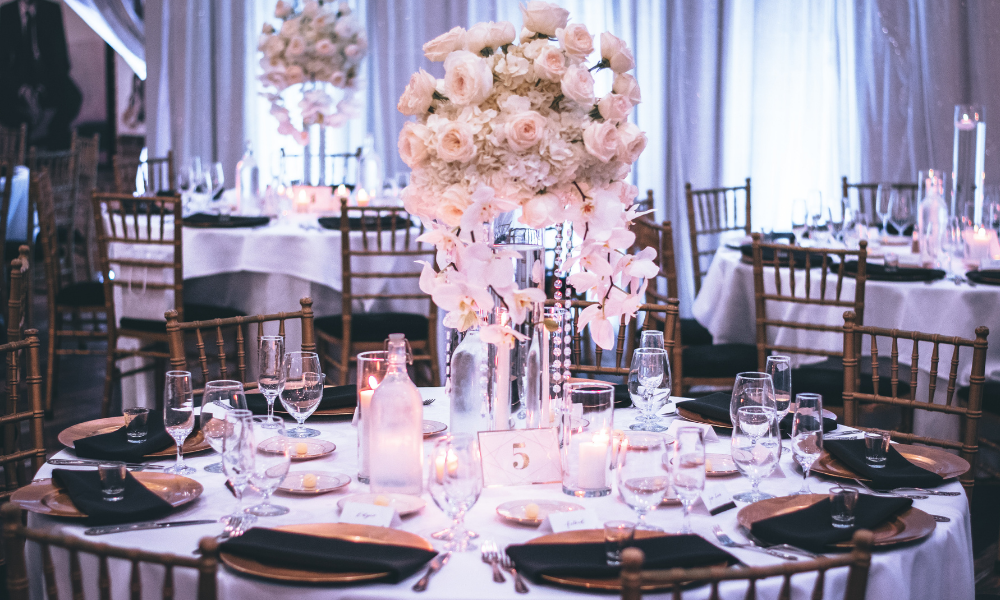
455	143
419	93
468	79
524	130
550	64
412	144
601	140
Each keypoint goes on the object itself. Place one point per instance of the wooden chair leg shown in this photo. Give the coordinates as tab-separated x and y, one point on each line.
109	375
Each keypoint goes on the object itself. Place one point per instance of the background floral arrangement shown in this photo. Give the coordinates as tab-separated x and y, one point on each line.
318	45
518	126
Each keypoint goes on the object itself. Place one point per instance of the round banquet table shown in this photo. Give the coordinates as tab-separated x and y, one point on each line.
937	567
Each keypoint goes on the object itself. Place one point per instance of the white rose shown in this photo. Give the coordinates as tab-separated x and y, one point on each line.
274	46
526	35
550	64
501	34
601	140
294	74
290	28
455	142
282	9
468	79
578	85
540	210
477	37
325	47
310	8
412	144
417	96
524	130
631	142
614	107
338	79
268	28
576	40
344	27
352	51
296	46
627	86
623	61
617	54
452	204
440	47
544	17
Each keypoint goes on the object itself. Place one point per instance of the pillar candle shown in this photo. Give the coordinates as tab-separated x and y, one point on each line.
593	463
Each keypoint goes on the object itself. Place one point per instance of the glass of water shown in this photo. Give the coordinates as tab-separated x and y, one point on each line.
689	470
807	435
876	448
755	447
649	386
302	390
780	369
178	415
843	499
270	375
217	400
271	463
752	388
113	475
643	475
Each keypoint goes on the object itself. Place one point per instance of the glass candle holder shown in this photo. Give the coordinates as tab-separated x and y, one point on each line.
586	441
372	367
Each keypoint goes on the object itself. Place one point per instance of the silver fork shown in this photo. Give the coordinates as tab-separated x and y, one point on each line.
728	542
888	493
508	565
906	490
491	556
786	547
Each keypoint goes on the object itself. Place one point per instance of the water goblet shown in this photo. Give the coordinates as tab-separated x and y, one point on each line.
780	369
689	470
651	338
271	462
643	474
238	454
302	390
755	448
218	398
752	388
270	375
455	480
649	386
178	415
807	435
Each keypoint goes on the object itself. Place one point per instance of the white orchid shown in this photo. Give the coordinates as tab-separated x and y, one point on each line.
501	335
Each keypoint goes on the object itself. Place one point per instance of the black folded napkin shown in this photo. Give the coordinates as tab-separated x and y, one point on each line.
984	276
716	406
115	445
205	220
897	472
589	560
877	272
337	396
84	489
281	548
388	222
769	238
811	528
767	255
623	399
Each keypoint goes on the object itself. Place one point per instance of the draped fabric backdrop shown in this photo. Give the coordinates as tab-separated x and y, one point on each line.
118	25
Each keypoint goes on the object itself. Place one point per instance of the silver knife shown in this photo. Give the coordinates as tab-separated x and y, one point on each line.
140	526
77	462
439	561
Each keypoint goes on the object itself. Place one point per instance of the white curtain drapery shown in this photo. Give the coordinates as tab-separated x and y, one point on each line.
118	25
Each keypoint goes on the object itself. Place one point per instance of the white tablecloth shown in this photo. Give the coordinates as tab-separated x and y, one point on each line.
936	568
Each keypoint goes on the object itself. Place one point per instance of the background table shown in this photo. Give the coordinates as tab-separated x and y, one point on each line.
936	568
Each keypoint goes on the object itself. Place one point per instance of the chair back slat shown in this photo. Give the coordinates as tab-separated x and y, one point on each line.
13	141
22	455
75	576
168	583
712	212
104	578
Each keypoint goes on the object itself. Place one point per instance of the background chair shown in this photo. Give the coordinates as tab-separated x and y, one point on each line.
22	454
969	415
15	534
711	213
159	172
13	142
372	240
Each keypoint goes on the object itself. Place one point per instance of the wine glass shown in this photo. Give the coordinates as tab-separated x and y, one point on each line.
219	398
883	200
270	375
271	462
455	480
302	390
814	202
902	211
780	369
755	447
651	338
215	180
649	386
952	247
689	470
178	415
643	473
238	454
800	219
807	435
752	388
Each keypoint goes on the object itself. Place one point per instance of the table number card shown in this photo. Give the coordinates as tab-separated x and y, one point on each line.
359	513
520	456
707	431
574	520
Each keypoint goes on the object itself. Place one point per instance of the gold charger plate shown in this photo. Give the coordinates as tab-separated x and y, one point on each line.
195	442
44	498
515	511
937	461
312	448
403	504
326	481
697	418
344	531
908	526
433	427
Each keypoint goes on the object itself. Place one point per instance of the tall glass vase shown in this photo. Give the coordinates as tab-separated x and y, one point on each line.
968	163
544	387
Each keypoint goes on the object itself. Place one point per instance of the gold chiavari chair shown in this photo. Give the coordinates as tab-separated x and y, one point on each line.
372	239
854	335
711	213
867	195
7	172
62	295
160	174
858	563
15	536
220	365
13	142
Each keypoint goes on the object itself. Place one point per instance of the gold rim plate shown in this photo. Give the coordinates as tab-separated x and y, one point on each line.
312	448
195	442
44	498
697	418
326	481
343	531
433	427
945	464
910	525
515	511
404	504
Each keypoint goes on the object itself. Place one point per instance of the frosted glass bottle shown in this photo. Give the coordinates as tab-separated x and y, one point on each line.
248	181
370	172
470	409
932	219
396	447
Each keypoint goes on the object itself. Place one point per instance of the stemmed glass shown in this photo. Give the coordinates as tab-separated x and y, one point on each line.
807	435
902	211
649	386
780	369
815	203
455	480
271	463
952	247
753	388
178	415
270	375
800	219
219	398
302	390
215	180
238	453
883	200
651	338
689	470
755	447
643	474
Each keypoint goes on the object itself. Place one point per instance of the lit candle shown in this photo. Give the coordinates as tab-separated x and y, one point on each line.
302	204
501	412
439	466
594	462
342	192
978	245
364	406
362	197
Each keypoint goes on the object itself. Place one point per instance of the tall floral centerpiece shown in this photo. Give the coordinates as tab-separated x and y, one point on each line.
319	45
516	124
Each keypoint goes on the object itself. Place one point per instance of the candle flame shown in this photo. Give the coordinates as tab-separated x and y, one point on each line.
372	382
362	197
981	234
342	191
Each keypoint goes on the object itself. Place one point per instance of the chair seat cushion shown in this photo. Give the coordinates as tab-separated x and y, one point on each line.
85	293
719	360
827	379
192	312
694	334
375	327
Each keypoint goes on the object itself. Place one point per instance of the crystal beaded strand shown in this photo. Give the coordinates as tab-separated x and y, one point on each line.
568	303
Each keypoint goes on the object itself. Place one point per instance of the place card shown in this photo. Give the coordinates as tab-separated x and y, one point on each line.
707	431
358	513
573	520
520	457
717	498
